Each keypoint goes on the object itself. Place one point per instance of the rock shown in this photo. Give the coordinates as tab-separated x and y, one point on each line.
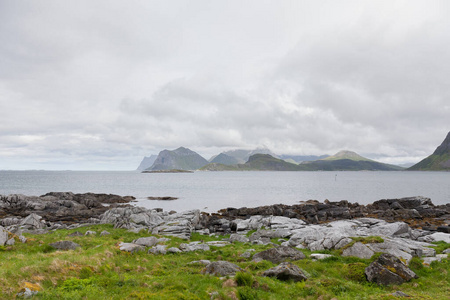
388	270
146	241
201	262
193	247
104	232
33	221
221	268
445	229
320	256
131	247
446	251
10	242
65	245
238	238
286	271
22	239
436	237
358	250
90	232
174	250
28	290
400	294
279	254
278	222
158	249
3	236
428	260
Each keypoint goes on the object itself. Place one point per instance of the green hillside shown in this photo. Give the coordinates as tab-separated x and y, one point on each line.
438	161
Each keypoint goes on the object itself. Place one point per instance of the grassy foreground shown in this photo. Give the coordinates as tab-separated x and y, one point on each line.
99	270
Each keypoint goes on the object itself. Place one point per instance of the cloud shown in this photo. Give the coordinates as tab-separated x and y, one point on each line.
100	85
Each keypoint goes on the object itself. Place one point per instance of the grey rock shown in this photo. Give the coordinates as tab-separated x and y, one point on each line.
400	294
193	247
388	270
158	249
131	247
436	237
104	232
238	238
221	268
279	254
90	232
65	245
76	233
358	250
33	221
286	271
174	250
146	241
446	251
428	260
3	236
10	242
218	243
22	239
200	262
320	256
26	293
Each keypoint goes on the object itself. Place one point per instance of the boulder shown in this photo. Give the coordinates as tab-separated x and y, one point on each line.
146	241
388	270
286	271
193	247
359	250
65	245
221	268
131	247
238	238
90	232
319	256
158	249
33	221
279	254
3	236
104	232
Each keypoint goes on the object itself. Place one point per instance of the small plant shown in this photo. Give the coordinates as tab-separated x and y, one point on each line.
244	279
247	293
355	272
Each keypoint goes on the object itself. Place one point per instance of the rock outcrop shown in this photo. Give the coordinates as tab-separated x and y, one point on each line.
388	270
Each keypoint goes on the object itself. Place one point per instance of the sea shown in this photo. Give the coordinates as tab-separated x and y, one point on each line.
212	191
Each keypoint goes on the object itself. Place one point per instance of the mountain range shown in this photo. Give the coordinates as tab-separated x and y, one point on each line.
262	159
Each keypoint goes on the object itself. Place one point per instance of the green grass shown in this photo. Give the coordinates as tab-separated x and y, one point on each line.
99	270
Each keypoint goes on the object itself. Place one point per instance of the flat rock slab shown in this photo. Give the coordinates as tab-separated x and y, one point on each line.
388	270
359	250
146	241
130	247
65	245
221	268
286	271
279	254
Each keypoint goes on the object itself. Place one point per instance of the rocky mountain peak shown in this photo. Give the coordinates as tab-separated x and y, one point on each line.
444	147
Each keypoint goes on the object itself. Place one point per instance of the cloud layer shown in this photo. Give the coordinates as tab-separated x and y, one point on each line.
99	85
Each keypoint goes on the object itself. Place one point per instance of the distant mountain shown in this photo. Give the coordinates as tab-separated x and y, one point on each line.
301	158
147	162
225	159
242	155
348	161
179	159
438	161
345	154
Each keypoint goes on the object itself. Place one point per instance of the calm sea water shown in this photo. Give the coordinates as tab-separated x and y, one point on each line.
211	191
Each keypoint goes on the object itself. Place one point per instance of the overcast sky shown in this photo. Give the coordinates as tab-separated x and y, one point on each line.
100	84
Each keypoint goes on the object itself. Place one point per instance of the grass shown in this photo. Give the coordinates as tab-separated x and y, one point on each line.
99	270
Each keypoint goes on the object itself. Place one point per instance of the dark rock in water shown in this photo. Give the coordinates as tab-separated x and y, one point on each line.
279	254
65	245
445	229
388	270
221	268
162	198
286	271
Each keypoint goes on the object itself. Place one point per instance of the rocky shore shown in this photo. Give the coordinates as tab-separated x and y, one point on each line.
400	228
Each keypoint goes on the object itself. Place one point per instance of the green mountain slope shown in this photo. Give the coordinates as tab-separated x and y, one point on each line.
438	161
181	159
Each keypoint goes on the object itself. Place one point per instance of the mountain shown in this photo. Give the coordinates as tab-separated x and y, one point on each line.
242	155
180	159
438	161
256	162
345	154
147	162
301	158
225	159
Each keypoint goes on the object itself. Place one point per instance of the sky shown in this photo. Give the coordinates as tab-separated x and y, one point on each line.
97	85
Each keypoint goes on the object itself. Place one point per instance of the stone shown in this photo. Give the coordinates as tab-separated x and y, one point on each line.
286	271
279	254
200	262
146	241
238	238
65	245
3	236
436	237
388	270
218	243
90	232
10	242
104	232
193	247
400	294
358	250
76	233
221	268
428	260
33	221
446	251
158	249
174	250
319	256
131	247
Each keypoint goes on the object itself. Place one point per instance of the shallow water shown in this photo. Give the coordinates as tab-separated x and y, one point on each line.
211	191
